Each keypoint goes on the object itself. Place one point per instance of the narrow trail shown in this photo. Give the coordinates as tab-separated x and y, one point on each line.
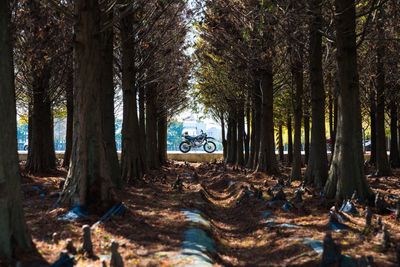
235	218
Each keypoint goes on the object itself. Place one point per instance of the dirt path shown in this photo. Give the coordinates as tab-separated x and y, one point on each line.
217	217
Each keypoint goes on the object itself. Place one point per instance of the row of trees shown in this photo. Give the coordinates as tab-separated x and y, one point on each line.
84	58
303	65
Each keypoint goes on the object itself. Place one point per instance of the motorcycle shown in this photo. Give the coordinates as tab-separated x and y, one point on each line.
199	141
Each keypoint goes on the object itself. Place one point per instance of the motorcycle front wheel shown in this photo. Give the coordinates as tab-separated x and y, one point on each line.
210	147
184	147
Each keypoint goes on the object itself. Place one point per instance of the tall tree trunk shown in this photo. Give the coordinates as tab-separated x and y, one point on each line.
151	127
142	111
346	174
89	182
335	116
14	236
240	135
290	140
107	101
162	139
70	120
255	127
394	145
280	143
330	112
317	168
132	160
267	159
247	134
372	112
298	77
382	161
306	121
142	122
41	154
232	139
223	135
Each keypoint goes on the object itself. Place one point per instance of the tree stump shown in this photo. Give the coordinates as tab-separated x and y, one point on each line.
178	184
70	246
64	260
280	195
196	177
380	203
354	196
366	261
332	254
379	223
87	245
368	217
116	259
298	197
55	237
385	239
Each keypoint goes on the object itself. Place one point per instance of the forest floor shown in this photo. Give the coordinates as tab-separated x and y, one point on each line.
218	218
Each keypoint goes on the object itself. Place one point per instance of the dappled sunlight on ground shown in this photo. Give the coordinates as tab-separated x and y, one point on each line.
220	201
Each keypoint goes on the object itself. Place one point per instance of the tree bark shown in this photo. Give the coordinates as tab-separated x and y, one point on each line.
317	168
232	139
151	127
382	161
142	117
240	135
247	133
89	182
372	159
306	122
290	140
255	127
162	139
107	100
267	159
297	73
41	153
330	111
394	145
280	143
132	160
223	135
346	174
70	121
13	235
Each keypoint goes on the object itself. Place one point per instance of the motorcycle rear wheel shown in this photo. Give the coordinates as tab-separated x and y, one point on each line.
185	147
